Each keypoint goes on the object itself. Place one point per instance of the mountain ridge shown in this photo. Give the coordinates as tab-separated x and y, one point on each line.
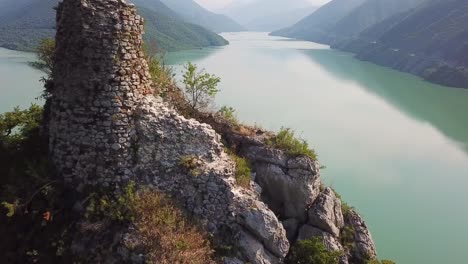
29	21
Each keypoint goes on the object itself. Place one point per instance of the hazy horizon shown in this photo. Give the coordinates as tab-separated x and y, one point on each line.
215	5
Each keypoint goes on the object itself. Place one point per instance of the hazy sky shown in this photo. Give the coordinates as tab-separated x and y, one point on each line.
217	4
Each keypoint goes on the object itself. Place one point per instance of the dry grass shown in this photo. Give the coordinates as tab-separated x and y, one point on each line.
167	235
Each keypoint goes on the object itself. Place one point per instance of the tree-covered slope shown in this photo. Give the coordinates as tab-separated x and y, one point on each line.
165	31
317	26
193	13
26	23
430	41
370	13
29	21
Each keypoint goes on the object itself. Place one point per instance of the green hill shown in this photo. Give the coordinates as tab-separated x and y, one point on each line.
317	26
428	38
430	41
29	21
193	13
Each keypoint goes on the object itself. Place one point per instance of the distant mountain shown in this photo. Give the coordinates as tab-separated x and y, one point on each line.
317	26
430	41
165	30
268	15
428	38
193	13
29	21
277	21
370	13
26	22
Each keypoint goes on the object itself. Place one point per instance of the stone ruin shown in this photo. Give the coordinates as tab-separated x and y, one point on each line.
106	128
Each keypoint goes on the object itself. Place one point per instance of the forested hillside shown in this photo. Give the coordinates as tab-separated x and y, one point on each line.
29	21
192	12
317	26
428	38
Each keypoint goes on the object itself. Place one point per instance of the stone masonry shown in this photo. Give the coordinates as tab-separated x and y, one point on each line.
100	75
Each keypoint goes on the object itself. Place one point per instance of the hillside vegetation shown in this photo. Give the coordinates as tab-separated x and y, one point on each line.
424	37
192	12
29	21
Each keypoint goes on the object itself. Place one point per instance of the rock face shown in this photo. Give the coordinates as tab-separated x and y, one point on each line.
326	213
107	128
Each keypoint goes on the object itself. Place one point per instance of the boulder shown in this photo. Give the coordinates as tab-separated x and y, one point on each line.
263	224
291	226
287	194
364	245
254	250
326	213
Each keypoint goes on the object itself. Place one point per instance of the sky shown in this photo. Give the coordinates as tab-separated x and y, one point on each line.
218	4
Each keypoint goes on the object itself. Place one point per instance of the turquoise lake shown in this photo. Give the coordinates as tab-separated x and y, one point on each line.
395	146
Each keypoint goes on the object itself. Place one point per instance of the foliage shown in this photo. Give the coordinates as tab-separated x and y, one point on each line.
162	75
166	31
243	171
18	125
33	213
167	234
45	55
229	114
112	204
312	251
191	164
200	86
287	141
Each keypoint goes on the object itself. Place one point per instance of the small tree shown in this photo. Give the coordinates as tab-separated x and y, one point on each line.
45	55
200	87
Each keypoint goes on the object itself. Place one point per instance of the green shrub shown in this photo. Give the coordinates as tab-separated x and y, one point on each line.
112	204
162	75
287	141
243	171
312	251
191	164
229	114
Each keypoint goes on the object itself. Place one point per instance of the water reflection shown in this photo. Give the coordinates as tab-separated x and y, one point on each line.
444	108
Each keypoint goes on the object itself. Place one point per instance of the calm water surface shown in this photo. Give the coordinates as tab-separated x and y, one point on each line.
19	83
395	147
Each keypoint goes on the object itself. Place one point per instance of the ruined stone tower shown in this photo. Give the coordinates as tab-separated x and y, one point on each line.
100	74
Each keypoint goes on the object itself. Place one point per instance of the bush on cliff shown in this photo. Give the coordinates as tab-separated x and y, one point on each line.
287	141
312	251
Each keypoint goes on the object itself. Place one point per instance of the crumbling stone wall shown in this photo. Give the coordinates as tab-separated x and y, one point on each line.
100	74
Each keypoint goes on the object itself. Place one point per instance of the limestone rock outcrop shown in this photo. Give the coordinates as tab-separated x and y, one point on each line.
326	213
106	128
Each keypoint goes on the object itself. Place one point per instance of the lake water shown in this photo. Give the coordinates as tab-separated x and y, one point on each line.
19	83
395	147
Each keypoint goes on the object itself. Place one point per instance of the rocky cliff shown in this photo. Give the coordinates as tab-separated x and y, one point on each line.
107	129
